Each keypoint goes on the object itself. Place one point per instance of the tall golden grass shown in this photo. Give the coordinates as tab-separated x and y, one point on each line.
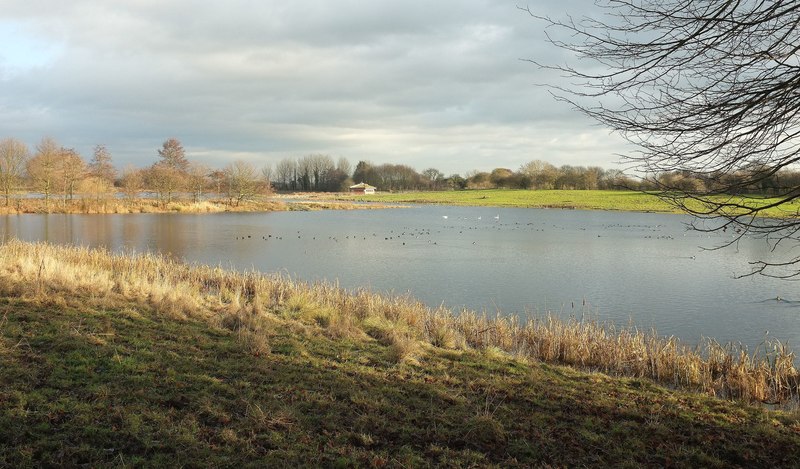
249	303
88	205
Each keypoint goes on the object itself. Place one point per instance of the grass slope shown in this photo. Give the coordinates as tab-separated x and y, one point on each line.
136	376
565	199
127	386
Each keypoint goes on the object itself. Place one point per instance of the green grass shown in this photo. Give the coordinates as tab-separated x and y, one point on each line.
562	199
125	386
109	380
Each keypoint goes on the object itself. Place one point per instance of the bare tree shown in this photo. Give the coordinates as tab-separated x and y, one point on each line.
170	174
132	181
501	177
71	169
708	88
321	167
303	172
267	174
13	155
284	171
197	179
434	178
101	165
343	166
42	169
218	179
173	155
242	181
542	175
165	181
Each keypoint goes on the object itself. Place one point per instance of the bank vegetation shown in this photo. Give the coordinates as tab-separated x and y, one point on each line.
248	302
143	361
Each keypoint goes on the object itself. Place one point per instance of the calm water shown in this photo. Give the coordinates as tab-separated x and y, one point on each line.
644	268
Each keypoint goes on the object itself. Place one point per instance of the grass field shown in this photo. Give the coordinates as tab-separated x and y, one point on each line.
142	362
562	199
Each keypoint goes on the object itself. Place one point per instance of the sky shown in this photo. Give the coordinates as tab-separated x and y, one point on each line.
427	84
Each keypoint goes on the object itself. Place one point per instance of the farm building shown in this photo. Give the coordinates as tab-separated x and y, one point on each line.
362	188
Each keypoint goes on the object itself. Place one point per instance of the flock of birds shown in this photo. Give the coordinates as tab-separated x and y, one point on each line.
437	234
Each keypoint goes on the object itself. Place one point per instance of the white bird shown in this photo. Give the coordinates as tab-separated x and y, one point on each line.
497	217
444	216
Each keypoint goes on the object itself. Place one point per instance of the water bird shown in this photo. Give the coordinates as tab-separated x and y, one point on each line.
444	216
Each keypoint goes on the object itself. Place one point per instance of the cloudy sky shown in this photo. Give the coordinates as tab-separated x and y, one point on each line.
427	84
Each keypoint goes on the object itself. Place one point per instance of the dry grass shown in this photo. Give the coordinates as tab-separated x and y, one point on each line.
135	205
309	205
153	205
251	303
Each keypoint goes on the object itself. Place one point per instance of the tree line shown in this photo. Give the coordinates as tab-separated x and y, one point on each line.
61	173
535	174
55	171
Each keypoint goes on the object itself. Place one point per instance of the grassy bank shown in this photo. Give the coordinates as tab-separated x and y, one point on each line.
131	361
561	199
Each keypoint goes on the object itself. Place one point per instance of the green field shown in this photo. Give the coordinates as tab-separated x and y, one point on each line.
111	362
561	199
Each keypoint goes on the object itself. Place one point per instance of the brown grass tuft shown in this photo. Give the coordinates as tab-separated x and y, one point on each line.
403	349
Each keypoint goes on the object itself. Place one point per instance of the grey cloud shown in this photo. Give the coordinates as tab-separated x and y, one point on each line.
417	83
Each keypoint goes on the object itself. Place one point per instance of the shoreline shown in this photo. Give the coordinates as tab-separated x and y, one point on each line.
152	205
724	370
588	200
142	359
604	200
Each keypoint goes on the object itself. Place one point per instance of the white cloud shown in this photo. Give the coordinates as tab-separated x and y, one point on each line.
412	82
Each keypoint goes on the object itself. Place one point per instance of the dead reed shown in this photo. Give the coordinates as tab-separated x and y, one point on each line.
86	205
248	303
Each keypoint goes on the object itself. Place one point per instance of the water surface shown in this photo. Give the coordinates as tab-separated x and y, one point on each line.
625	267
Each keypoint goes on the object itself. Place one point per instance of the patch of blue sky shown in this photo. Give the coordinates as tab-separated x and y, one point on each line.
21	50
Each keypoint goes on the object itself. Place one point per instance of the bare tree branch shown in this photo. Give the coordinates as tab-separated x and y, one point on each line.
705	89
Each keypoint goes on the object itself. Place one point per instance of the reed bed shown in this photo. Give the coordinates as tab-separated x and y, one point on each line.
135	205
248	303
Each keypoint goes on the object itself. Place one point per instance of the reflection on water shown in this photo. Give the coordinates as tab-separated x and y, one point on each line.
624	267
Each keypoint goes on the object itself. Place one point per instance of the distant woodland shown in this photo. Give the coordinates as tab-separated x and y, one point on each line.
59	173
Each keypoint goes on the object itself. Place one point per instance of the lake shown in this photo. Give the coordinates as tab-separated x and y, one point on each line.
639	268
